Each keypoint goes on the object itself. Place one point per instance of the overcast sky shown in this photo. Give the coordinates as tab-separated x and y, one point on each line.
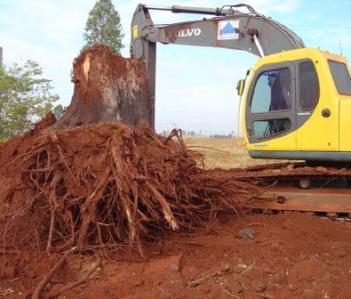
195	86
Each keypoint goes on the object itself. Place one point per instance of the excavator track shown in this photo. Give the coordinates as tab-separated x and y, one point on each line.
324	189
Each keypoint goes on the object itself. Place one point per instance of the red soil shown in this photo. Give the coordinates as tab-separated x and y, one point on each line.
293	255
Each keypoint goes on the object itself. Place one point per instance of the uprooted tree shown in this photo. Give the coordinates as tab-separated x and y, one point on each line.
108	88
102	185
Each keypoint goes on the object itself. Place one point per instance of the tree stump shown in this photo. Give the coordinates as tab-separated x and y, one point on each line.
108	88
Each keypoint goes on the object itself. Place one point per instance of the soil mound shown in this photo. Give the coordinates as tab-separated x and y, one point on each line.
104	185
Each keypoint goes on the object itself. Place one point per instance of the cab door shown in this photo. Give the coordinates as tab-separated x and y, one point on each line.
271	109
317	111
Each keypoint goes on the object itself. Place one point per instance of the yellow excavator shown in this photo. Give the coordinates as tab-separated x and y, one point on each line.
295	102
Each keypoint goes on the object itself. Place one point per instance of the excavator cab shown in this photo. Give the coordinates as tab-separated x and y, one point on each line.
296	106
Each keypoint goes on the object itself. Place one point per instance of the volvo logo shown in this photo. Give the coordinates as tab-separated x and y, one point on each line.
189	32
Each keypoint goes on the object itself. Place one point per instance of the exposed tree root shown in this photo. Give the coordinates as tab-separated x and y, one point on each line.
78	282
104	185
47	278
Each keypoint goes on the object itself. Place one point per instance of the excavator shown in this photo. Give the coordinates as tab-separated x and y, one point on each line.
295	102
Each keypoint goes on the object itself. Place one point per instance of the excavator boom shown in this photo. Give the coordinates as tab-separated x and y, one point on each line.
229	28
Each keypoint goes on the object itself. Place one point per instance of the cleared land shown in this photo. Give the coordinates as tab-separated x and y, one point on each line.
223	152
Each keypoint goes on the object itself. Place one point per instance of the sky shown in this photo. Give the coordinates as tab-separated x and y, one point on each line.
195	86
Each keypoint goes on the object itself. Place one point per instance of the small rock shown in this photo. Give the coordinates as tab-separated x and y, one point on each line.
247	234
193	284
175	263
259	286
227	268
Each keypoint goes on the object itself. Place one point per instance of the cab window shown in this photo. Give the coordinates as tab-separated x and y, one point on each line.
269	128
272	91
341	77
308	86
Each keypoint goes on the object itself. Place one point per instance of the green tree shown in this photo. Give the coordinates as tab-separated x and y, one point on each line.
25	97
58	111
103	26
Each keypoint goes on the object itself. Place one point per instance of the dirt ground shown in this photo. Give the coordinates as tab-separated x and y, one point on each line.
223	153
291	255
288	255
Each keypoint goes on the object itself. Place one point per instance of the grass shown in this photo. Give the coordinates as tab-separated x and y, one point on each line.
222	152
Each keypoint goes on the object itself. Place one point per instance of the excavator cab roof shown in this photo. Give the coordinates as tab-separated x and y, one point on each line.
298	54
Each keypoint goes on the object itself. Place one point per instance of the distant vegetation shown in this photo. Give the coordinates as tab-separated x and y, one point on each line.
104	27
222	136
25	97
198	134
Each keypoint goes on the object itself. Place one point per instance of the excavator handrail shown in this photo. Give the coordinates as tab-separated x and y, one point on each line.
249	7
220	11
191	10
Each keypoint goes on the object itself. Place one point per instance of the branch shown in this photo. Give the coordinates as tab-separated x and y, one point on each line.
46	279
